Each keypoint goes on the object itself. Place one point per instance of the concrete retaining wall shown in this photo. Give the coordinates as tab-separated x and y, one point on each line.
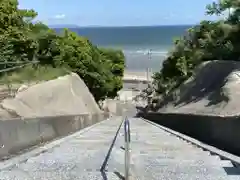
125	109
17	134
221	132
120	108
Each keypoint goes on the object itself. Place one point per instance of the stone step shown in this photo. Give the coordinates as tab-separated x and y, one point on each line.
89	160
52	175
159	147
155	167
157	154
179	158
176	176
191	162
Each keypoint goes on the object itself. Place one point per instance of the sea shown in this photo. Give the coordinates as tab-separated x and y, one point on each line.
143	47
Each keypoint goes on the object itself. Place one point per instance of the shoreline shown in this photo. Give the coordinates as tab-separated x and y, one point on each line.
137	76
136	80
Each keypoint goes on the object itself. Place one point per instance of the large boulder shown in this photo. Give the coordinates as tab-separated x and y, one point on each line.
66	95
214	89
23	87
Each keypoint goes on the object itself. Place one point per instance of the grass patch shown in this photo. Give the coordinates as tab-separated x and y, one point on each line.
32	74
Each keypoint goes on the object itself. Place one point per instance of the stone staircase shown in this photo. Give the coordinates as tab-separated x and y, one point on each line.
157	154
98	153
79	157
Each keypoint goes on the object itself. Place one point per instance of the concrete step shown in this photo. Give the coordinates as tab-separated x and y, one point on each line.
157	152
83	161
52	175
176	176
154	167
188	161
163	158
162	146
191	162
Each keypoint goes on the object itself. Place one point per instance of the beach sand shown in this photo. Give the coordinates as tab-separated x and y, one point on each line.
136	80
135	76
140	74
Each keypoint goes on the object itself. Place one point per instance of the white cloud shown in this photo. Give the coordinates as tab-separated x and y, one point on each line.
60	16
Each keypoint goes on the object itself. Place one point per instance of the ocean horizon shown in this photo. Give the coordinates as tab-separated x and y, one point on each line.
136	42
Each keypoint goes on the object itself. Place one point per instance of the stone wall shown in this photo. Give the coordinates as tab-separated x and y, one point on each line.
18	134
221	132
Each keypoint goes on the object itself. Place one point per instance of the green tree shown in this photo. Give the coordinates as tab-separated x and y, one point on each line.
116	60
16	43
22	40
82	57
209	40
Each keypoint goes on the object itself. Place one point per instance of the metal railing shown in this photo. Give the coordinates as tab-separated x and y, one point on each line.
20	64
5	69
127	137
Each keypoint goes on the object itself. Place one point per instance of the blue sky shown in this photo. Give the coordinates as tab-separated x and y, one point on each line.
118	12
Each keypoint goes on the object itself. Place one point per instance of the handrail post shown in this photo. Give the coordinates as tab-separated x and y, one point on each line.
127	149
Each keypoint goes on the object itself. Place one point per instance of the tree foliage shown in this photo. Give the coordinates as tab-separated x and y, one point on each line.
22	40
209	40
116	60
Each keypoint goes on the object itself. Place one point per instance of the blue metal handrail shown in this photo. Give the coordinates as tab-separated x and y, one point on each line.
127	137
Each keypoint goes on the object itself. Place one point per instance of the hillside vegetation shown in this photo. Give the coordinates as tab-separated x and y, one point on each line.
207	41
24	41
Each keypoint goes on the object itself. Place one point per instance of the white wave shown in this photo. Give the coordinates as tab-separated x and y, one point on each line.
145	52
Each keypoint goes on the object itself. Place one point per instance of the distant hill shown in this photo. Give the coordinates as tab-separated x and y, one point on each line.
64	26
